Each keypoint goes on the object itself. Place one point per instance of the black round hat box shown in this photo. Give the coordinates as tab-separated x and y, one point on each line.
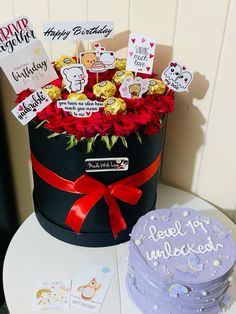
52	205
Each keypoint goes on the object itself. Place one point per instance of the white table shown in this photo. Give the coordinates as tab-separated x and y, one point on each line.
34	255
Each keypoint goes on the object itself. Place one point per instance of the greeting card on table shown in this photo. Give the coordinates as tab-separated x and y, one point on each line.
28	108
28	68
16	35
51	295
140	55
90	287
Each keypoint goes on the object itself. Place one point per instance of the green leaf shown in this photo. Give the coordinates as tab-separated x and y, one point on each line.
90	142
53	135
106	140
40	124
124	141
138	137
114	139
72	142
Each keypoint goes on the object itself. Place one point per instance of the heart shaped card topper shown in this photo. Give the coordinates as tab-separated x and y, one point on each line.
133	87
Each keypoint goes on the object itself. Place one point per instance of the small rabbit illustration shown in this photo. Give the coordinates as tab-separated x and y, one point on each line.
89	290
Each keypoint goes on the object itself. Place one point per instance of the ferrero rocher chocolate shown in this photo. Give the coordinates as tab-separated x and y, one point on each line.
119	76
120	64
104	89
76	96
53	92
156	87
63	61
114	105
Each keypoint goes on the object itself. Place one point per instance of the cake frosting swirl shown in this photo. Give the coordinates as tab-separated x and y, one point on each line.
180	260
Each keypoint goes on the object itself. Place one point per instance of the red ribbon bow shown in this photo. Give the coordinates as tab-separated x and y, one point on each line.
125	190
173	64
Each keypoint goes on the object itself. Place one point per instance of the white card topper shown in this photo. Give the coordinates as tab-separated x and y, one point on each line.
28	68
133	87
15	35
98	60
140	55
75	77
90	286
51	295
28	108
80	108
176	77
78	30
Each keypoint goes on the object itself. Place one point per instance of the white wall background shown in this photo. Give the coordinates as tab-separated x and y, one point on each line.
200	147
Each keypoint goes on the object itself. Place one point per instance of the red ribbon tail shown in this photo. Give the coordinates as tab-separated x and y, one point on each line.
116	219
80	210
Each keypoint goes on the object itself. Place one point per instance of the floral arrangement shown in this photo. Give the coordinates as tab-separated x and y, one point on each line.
142	116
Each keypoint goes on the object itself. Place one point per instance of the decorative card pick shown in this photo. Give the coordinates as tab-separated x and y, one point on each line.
80	108
176	77
75	77
89	290
73	31
28	68
140	55
15	35
133	87
88	58
99	60
28	108
52	295
106	164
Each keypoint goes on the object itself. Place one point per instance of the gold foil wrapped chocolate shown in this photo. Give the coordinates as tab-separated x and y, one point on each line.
156	87
119	76
76	96
104	89
63	61
53	92
114	105
120	64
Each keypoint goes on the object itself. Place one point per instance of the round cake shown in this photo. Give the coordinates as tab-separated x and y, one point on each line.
180	261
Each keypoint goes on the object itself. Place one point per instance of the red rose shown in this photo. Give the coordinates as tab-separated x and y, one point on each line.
140	118
134	104
54	124
84	128
69	124
22	95
123	125
103	124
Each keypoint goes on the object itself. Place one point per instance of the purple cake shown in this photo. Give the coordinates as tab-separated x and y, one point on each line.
180	261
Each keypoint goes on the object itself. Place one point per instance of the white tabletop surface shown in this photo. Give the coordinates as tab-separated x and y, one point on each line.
34	255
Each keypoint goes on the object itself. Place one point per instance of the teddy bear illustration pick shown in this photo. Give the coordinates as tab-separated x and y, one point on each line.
134	87
75	77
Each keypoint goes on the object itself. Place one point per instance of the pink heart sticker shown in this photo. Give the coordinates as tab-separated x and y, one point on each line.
20	108
131	53
124	89
133	40
96	45
143	40
151	56
151	44
148	68
102	48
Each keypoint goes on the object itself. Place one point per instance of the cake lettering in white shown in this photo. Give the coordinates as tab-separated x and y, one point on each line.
156	234
168	251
